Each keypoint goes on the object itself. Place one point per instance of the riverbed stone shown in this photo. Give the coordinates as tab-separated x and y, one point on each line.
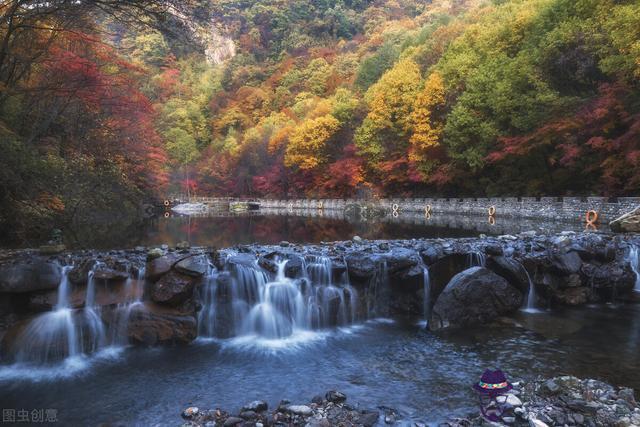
29	275
172	289
566	263
474	297
195	266
361	266
510	269
158	267
156	326
255	406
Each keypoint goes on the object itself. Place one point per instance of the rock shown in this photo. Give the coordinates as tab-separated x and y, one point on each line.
102	272
302	410
183	245
190	412
537	423
361	266
154	253
335	396
158	267
511	270
248	415
399	259
232	421
550	387
627	223
494	249
472	297
284	244
152	327
572	296
368	418
317	400
29	276
195	266
566	263
172	289
293	267
256	406
513	400
357	239
628	395
52	249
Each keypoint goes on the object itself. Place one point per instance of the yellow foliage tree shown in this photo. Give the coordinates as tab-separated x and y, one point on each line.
308	143
390	102
426	129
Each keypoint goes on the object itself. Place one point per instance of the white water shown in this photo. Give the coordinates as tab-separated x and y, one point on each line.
477	259
254	306
133	289
634	260
530	304
68	335
426	302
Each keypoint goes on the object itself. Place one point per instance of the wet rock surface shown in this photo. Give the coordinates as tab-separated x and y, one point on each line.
474	296
333	410
563	401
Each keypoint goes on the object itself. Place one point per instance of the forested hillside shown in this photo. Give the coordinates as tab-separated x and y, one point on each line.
111	101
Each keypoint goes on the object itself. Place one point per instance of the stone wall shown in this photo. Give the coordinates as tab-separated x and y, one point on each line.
556	208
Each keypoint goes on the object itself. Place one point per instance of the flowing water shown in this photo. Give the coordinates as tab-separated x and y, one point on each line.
634	260
394	364
295	328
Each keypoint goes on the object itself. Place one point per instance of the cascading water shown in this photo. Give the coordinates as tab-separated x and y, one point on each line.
426	302
66	332
477	259
530	304
92	331
52	335
243	300
634	260
132	300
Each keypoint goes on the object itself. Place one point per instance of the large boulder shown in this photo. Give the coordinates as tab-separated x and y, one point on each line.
195	266
361	266
153	326
158	267
172	289
627	223
510	269
401	259
29	276
474	296
565	263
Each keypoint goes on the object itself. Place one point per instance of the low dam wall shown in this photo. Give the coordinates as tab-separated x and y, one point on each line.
558	208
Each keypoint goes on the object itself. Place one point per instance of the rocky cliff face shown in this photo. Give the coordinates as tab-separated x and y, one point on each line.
216	45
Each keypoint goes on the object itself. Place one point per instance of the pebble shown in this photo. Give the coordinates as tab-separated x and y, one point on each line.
190	412
303	410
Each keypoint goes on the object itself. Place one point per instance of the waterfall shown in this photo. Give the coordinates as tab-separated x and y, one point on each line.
52	335
476	259
133	290
426	284
530	304
634	260
207	316
244	300
67	332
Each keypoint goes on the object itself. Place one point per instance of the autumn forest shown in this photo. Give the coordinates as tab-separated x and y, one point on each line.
106	103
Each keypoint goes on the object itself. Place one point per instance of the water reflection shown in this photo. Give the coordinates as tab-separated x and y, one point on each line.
268	226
